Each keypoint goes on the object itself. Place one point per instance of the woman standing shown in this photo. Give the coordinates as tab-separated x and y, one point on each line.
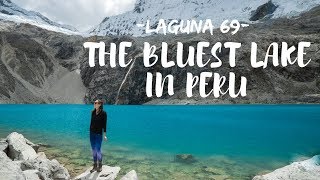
98	127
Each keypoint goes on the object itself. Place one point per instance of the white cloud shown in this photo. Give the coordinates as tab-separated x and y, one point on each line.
82	14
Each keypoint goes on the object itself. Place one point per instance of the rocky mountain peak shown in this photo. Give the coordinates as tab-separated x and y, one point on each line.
10	11
216	10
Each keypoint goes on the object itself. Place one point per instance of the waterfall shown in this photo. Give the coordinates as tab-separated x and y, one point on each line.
124	79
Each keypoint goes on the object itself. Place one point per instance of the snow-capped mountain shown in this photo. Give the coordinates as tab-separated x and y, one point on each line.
11	12
216	10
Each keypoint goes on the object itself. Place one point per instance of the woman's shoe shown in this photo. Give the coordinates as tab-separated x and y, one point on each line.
94	167
99	168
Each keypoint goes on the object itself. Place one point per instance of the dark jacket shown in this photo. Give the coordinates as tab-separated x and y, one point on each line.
98	122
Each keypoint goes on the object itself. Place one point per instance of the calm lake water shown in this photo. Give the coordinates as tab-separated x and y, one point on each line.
228	141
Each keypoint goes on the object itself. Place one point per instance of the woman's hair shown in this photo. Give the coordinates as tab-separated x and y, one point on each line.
101	105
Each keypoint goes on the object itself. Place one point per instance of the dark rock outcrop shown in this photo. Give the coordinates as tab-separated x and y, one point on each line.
263	11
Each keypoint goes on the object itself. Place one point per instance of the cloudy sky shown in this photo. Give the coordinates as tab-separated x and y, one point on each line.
82	14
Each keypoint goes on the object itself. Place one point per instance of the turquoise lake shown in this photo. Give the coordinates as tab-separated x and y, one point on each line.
228	141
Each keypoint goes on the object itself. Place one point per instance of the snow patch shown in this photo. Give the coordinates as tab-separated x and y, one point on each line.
216	10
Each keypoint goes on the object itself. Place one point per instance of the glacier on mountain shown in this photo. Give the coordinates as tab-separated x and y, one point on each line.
216	10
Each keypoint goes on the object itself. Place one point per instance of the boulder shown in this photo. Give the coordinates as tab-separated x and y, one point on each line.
41	155
34	146
31	174
185	158
23	162
18	147
33	164
3	145
48	169
131	175
59	172
303	170
263	11
8	169
107	173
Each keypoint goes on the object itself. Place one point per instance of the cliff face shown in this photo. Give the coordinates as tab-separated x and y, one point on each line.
35	62
290	84
40	66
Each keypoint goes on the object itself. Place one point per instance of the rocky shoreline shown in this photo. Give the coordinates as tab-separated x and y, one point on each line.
303	170
20	160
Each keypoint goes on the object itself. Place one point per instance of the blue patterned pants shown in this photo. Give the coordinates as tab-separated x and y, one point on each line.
95	141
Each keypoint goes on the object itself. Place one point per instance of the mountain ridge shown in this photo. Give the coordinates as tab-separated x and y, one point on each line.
217	10
41	66
12	12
